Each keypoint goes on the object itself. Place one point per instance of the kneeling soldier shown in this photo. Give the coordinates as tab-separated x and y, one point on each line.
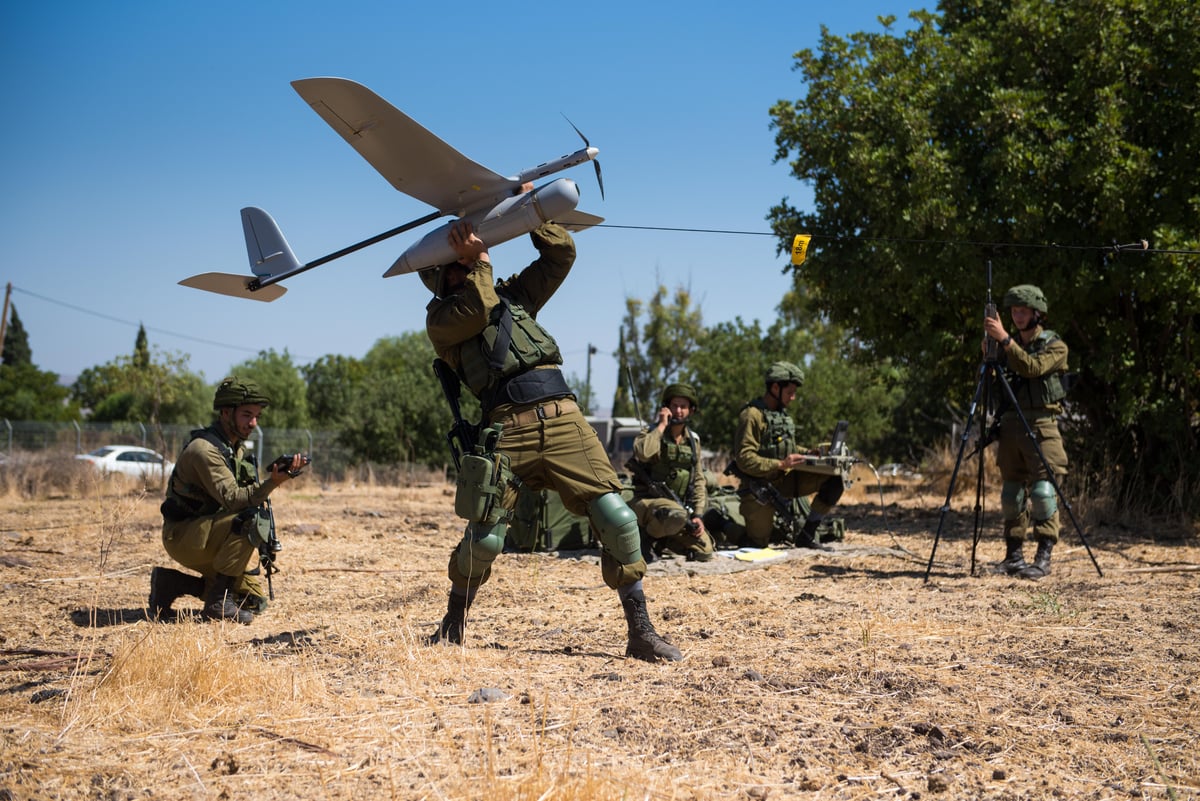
669	492
215	509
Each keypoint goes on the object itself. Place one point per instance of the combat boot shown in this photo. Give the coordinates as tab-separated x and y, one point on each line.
807	538
453	623
1041	561
648	553
219	603
644	641
167	586
1014	557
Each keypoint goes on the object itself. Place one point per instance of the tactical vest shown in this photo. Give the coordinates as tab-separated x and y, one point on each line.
675	464
1038	393
185	501
780	437
512	343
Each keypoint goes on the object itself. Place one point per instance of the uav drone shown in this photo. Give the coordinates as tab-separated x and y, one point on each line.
421	165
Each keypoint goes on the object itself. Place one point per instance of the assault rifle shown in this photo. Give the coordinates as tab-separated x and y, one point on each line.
463	436
267	550
766	493
989	436
662	490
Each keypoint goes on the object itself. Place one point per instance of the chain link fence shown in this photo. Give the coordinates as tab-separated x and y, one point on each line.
329	458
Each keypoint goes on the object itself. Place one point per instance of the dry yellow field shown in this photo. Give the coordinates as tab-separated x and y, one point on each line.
841	675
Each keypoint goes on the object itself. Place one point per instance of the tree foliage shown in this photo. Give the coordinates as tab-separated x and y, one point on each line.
141	349
388	406
147	386
279	377
982	131
16	341
656	351
727	371
727	363
331	384
27	393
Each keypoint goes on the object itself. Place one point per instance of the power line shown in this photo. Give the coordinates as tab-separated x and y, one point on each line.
1141	246
110	318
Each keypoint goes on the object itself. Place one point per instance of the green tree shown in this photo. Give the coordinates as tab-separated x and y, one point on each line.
656	351
141	349
920	145
280	378
843	381
398	413
27	393
331	383
16	341
147	386
727	371
95	384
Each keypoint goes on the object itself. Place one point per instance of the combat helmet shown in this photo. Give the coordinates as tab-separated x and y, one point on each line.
784	373
234	391
680	390
1026	295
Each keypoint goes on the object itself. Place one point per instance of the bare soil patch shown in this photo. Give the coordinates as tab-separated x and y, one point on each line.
841	675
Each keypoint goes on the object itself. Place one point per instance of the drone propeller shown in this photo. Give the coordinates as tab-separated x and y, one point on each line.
596	162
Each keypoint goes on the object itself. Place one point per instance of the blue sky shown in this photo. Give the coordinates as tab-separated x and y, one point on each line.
135	131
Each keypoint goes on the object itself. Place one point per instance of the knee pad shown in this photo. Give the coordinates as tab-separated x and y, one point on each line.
1012	499
1043	500
617	526
480	546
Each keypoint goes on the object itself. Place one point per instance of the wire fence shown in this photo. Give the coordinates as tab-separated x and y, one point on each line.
329	457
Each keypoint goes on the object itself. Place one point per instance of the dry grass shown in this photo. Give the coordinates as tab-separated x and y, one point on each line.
823	676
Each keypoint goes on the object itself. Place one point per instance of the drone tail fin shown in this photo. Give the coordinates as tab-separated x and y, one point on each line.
269	252
270	257
576	220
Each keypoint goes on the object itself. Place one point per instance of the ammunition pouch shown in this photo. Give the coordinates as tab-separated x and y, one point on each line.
254	524
482	479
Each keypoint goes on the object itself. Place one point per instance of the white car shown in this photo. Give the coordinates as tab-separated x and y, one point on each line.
129	460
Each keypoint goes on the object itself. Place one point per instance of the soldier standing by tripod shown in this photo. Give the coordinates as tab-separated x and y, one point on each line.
1034	363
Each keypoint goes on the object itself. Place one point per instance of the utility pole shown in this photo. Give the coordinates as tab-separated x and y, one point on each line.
587	389
4	317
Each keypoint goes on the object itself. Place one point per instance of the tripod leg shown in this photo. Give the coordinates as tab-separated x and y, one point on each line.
983	417
1044	554
962	446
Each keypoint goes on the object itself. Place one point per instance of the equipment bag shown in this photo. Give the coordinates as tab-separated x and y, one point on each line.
830	529
723	518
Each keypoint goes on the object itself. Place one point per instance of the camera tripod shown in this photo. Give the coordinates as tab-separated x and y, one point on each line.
989	371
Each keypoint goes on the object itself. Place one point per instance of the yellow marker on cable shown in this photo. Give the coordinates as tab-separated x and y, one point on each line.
800	248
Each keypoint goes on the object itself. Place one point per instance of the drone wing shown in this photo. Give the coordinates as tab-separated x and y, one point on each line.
411	158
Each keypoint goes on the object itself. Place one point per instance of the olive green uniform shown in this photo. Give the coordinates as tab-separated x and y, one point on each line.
677	466
547	442
763	437
204	495
1034	373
